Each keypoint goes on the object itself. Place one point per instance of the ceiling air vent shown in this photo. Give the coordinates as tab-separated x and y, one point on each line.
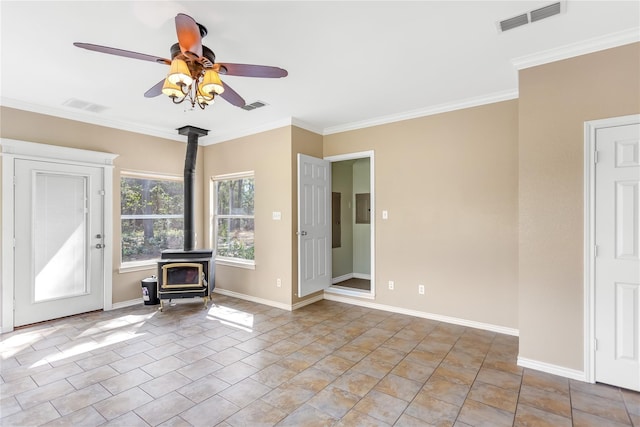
84	105
254	105
514	22
545	12
532	16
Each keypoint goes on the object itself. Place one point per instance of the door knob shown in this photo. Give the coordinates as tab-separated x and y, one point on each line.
99	246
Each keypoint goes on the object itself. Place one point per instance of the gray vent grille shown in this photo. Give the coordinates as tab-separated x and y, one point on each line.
545	12
532	16
254	105
511	23
84	105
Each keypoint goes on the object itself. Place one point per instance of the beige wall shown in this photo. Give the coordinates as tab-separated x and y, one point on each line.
555	101
136	152
268	155
450	185
342	182
361	232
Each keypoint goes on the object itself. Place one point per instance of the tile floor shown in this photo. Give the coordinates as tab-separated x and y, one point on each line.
244	364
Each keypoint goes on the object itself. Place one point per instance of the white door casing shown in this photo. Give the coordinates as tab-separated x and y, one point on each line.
66	160
59	267
314	225
372	258
617	258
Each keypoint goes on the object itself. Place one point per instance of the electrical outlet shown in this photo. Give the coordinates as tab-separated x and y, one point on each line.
391	284
421	289
278	282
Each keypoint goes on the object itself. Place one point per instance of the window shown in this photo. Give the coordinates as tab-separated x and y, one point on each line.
152	217
233	219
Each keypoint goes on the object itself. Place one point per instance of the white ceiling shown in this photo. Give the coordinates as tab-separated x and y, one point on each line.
351	63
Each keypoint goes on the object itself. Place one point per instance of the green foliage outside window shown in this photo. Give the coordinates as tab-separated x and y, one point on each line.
235	218
151	217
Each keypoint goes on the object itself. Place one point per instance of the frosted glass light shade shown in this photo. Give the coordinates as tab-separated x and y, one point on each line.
211	83
172	90
179	73
205	99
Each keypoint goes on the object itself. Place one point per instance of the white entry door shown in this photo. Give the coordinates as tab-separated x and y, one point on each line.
617	262
59	259
314	224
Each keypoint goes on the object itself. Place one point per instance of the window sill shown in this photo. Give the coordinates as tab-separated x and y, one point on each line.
138	266
249	265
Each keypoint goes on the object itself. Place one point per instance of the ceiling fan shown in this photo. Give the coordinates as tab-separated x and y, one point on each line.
194	72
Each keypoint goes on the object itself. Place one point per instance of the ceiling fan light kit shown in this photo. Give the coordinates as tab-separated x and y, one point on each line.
193	81
193	72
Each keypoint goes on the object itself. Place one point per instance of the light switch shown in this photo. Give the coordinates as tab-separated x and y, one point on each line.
277	216
385	215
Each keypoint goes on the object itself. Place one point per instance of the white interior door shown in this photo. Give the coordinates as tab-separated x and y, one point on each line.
617	263
58	232
314	224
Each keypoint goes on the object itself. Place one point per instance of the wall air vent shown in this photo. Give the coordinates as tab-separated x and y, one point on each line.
254	105
84	105
532	16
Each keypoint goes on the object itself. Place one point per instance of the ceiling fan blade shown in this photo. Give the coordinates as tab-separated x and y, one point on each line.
231	96
188	34
155	90
121	52
248	70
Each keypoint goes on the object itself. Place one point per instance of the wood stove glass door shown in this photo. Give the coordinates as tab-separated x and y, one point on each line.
59	245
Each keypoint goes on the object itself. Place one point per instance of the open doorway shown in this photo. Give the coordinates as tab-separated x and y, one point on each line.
352	224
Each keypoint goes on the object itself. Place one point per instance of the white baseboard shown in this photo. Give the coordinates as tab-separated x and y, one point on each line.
424	315
307	301
348	276
552	369
342	278
251	298
123	304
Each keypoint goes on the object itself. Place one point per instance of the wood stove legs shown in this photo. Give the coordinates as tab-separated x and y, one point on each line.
205	300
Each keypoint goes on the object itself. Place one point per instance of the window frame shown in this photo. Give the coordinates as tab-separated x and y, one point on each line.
128	266
213	220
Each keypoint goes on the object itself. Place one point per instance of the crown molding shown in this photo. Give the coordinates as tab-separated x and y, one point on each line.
228	136
306	126
91	119
596	44
442	108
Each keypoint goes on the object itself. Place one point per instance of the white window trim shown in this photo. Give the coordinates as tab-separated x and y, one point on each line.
147	264
213	224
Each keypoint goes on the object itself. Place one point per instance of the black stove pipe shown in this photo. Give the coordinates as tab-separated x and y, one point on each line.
193	133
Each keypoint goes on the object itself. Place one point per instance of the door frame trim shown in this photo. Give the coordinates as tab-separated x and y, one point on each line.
14	149
353	156
590	129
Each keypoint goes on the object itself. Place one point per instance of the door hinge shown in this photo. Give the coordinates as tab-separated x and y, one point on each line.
595	344
101	192
595	156
595	250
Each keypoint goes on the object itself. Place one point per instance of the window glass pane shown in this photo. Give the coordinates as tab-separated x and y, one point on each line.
235	197
146	229
222	189
151	196
235	238
145	239
241	196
